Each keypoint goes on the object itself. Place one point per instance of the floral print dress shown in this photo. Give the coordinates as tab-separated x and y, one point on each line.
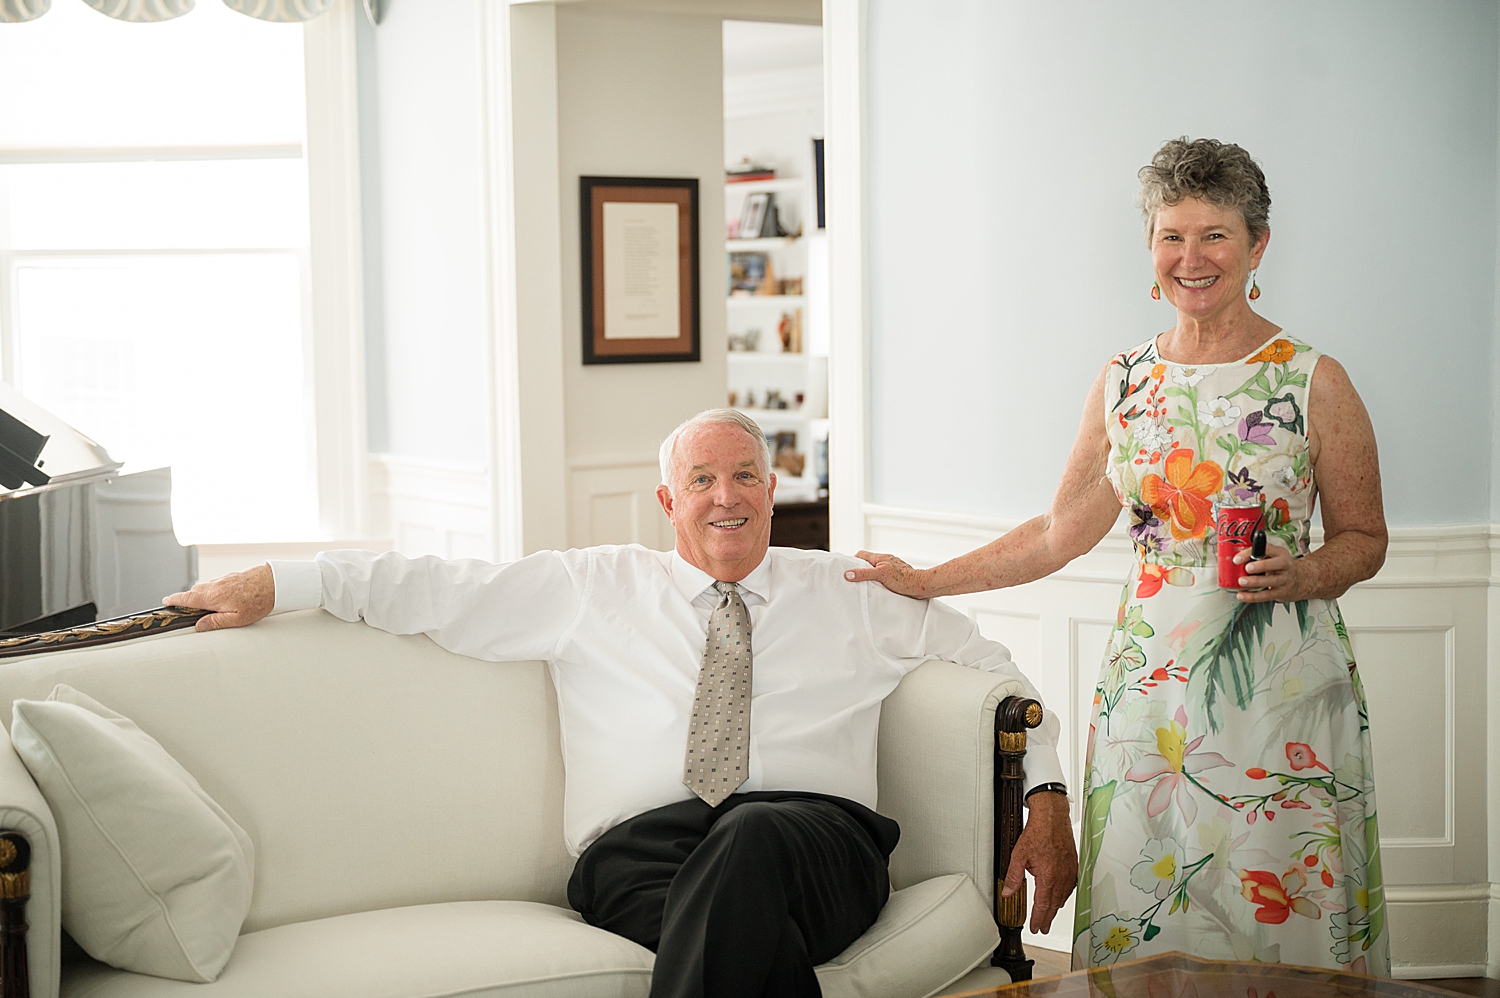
1229	804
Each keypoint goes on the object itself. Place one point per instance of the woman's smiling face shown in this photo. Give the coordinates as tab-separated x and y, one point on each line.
1202	254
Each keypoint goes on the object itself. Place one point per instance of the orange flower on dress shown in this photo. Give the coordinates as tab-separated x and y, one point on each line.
1277	898
1277	352
1152	577
1183	497
1301	756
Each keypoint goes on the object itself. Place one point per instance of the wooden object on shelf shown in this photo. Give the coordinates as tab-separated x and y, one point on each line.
1180	974
801	525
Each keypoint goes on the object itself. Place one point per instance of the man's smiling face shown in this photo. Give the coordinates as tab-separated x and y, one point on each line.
720	500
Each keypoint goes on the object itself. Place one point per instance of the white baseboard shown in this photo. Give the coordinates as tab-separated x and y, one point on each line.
1429	972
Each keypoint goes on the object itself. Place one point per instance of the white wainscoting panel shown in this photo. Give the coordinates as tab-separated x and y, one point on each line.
1421	634
215	560
428	507
612	500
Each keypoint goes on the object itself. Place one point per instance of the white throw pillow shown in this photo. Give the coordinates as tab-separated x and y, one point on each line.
156	877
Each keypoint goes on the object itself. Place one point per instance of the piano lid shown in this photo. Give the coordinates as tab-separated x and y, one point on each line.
38	451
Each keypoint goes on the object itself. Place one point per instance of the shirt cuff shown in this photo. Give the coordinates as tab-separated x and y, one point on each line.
299	585
1040	766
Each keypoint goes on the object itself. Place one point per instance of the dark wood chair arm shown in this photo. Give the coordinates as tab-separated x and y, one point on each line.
134	625
15	891
1012	719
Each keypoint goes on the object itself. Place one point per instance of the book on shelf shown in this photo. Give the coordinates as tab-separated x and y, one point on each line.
745	170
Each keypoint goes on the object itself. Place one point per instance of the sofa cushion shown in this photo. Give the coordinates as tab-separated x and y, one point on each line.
156	876
477	949
927	936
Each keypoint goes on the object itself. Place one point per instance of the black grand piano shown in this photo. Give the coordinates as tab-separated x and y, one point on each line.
81	539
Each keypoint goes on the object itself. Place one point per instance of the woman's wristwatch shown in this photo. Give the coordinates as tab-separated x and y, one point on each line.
1048	788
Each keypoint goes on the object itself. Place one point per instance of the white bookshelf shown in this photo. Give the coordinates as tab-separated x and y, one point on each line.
764	243
763	301
762	358
767	368
779	185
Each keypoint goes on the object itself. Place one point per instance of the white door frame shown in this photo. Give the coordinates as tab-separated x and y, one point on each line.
844	23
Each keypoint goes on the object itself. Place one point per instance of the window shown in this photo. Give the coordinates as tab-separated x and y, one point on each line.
155	258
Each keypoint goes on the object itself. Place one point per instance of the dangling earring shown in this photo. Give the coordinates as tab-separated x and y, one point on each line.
1155	291
1254	288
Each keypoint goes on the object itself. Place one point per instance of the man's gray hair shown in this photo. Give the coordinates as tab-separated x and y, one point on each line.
731	416
1220	173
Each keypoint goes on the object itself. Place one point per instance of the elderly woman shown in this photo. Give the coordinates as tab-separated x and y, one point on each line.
1229	804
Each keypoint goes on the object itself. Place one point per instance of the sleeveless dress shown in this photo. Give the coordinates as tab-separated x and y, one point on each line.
1229	803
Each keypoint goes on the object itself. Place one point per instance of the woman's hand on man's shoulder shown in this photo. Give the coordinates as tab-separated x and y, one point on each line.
891	572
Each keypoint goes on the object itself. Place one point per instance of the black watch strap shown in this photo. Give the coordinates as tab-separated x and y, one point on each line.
1055	788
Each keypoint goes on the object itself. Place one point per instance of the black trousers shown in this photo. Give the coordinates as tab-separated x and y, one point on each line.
740	900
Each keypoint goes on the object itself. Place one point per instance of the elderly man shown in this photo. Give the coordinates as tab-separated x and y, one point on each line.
719	707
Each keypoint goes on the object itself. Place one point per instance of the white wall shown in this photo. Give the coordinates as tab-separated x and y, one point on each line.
422	173
637	95
1006	258
420	75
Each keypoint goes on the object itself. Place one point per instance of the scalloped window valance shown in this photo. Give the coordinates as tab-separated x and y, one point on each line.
142	11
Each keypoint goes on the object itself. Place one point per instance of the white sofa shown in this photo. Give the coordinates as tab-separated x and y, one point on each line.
405	805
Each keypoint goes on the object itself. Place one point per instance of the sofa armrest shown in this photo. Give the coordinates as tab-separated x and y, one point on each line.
24	813
936	768
938	779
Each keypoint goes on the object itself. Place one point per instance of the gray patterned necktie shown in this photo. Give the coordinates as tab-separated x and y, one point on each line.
718	749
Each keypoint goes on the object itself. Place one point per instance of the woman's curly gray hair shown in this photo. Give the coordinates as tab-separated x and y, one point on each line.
1220	173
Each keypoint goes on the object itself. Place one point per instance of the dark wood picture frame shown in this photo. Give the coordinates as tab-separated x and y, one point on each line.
593	192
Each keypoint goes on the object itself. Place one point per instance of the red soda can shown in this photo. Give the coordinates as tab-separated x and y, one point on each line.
1234	528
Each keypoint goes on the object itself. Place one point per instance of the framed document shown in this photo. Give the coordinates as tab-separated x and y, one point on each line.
640	269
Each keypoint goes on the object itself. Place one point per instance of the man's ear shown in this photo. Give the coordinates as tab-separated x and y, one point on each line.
664	496
771	493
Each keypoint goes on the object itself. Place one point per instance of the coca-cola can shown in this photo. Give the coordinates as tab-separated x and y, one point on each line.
1234	529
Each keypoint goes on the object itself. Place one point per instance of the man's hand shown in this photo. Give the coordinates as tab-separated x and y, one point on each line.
1045	850
239	598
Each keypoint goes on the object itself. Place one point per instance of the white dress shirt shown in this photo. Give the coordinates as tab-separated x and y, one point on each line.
623	630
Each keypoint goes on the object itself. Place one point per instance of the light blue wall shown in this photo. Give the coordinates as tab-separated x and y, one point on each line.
1006	255
422	175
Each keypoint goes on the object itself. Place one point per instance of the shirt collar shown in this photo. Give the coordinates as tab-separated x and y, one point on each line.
692	581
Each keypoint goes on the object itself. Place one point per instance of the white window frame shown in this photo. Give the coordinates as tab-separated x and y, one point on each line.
332	290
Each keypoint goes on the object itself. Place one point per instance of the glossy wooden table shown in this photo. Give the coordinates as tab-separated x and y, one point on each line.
1177	975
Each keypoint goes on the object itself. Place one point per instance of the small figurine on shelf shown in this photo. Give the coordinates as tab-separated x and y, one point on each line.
774	399
746	342
734	398
749	399
790	331
787	457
